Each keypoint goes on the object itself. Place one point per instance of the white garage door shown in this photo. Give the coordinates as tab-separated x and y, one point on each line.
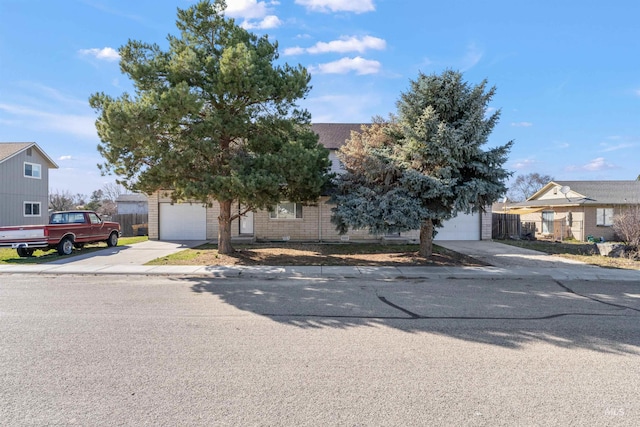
462	227
183	221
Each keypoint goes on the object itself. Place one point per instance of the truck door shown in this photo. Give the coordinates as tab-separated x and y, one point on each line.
79	226
96	225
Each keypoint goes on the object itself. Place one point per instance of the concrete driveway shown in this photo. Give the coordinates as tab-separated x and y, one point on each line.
506	256
136	254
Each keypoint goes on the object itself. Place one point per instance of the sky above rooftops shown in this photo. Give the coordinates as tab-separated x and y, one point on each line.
566	74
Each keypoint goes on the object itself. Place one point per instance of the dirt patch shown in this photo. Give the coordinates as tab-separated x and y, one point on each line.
300	254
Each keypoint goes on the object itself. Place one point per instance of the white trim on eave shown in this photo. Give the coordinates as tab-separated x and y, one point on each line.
52	164
541	191
546	188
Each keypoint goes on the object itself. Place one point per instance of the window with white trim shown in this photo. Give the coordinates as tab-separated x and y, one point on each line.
31	208
286	210
604	217
32	170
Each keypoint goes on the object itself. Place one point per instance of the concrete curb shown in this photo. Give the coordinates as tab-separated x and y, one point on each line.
362	272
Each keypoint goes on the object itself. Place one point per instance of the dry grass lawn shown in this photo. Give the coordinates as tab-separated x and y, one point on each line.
300	254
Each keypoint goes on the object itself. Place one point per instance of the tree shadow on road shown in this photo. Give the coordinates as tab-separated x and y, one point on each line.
500	312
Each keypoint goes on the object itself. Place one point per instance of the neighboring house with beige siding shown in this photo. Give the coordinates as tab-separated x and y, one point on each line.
577	209
24	184
289	221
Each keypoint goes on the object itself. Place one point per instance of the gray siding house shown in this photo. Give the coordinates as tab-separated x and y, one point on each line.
135	203
24	184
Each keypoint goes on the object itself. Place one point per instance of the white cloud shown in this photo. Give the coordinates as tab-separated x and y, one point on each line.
344	107
294	50
471	57
49	93
74	124
105	54
343	45
524	164
247	9
256	14
489	112
63	158
597	164
357	6
269	21
522	124
608	148
342	66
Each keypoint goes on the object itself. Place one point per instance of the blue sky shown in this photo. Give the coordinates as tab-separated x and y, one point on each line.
566	73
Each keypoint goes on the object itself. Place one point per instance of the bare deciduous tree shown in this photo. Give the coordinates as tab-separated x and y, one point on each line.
627	226
108	208
525	186
64	200
112	191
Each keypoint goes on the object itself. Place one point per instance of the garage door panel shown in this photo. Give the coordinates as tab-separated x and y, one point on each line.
182	221
462	227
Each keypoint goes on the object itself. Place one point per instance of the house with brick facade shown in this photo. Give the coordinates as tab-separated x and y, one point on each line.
577	209
291	221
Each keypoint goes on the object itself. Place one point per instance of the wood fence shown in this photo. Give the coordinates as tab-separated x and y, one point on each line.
505	226
128	221
509	226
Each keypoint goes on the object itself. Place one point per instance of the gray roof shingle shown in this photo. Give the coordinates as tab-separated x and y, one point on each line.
334	135
606	192
594	192
133	197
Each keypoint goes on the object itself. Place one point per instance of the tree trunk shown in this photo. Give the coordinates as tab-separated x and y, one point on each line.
224	228
426	239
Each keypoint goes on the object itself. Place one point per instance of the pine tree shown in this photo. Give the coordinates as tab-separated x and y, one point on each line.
431	165
212	118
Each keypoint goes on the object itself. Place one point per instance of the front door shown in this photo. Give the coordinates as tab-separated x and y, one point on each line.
246	224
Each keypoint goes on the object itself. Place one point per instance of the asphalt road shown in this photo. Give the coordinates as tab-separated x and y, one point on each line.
136	350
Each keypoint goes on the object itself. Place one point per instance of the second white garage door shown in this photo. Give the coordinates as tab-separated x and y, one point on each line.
183	221
462	227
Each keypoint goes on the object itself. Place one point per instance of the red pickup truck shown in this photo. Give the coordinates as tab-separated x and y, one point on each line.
65	231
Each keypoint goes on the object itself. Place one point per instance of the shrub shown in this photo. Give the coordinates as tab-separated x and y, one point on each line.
627	226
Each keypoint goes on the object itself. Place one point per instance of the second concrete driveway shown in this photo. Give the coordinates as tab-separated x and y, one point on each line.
136	254
505	256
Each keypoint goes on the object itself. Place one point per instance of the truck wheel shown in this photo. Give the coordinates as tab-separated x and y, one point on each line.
65	247
112	240
24	252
